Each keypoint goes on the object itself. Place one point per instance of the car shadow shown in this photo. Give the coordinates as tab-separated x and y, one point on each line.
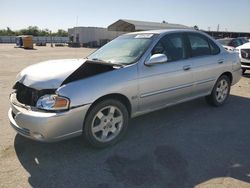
180	146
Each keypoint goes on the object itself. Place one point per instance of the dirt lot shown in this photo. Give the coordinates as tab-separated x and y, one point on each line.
188	145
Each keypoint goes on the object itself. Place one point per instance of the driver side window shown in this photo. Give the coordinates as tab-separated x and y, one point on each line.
172	46
158	49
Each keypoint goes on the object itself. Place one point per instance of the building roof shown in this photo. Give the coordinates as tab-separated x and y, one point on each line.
160	31
134	25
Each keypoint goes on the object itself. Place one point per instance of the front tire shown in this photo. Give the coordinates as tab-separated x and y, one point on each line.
106	123
220	92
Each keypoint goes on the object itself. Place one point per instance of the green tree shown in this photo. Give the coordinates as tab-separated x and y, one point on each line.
61	33
32	30
7	32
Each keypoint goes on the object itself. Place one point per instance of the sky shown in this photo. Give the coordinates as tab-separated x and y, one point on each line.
231	15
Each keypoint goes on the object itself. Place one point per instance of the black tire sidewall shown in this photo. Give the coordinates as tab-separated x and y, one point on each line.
91	114
243	71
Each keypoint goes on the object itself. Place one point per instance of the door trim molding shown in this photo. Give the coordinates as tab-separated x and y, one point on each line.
165	90
176	88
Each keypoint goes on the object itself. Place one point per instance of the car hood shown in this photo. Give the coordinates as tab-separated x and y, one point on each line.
48	74
55	73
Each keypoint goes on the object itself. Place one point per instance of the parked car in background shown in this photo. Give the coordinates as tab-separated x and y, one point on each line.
244	53
241	45
243	40
231	43
134	74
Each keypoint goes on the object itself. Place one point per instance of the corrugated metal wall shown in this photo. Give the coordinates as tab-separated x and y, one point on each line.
12	39
92	34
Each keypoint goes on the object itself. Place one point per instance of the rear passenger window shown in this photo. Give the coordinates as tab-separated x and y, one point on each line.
172	46
214	48
199	45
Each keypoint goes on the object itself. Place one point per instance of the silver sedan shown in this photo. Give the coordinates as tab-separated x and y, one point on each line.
134	74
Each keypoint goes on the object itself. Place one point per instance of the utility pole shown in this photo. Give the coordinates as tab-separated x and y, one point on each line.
218	27
51	44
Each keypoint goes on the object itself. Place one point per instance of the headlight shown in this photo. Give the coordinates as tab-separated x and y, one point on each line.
53	102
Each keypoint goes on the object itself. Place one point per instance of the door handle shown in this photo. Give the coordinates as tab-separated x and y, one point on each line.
221	61
186	67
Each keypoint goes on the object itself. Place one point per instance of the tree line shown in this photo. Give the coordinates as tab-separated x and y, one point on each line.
33	30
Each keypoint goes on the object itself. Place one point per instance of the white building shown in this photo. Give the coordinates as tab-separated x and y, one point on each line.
96	36
91	36
134	25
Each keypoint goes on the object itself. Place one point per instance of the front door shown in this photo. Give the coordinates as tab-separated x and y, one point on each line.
166	83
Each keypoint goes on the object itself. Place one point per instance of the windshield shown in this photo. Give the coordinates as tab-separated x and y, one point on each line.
124	50
243	40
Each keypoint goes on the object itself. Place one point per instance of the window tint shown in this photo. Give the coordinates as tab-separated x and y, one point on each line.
199	45
172	46
214	48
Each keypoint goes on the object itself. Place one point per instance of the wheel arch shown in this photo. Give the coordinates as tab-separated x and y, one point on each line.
229	75
117	96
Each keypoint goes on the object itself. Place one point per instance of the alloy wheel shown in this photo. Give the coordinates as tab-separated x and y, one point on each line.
107	123
222	90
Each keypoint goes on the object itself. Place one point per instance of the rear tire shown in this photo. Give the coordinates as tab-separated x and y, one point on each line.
220	92
243	71
106	123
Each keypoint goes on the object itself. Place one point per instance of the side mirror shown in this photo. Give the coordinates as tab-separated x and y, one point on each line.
156	59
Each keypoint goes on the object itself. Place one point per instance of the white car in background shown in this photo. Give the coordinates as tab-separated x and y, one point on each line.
240	45
244	53
231	43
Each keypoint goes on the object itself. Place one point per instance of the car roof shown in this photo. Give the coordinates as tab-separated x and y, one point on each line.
162	31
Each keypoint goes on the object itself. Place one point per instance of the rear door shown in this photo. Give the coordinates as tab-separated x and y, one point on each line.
207	63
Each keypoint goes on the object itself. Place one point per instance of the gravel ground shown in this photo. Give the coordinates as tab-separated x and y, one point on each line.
188	145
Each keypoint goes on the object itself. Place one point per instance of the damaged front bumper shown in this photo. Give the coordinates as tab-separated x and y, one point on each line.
46	126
